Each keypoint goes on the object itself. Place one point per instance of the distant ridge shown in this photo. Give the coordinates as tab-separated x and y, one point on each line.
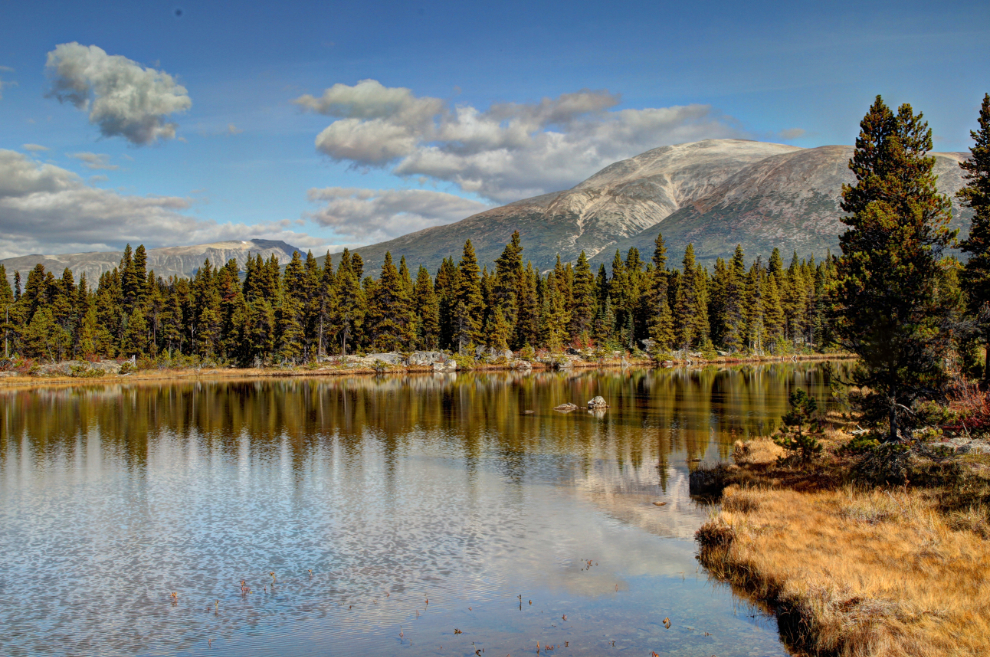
715	193
165	261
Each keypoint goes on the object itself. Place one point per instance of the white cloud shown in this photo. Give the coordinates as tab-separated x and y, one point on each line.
792	133
123	98
34	148
99	178
369	215
233	129
95	161
46	209
510	150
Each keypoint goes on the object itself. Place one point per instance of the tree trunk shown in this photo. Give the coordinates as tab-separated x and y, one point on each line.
892	436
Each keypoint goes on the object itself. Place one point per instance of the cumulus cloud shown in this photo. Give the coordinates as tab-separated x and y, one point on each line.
34	148
370	215
47	209
506	152
95	161
122	97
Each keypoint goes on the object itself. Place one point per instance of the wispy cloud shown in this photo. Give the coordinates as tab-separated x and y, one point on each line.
95	161
34	148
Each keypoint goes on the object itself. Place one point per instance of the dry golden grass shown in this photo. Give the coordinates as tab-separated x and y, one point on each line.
761	451
858	572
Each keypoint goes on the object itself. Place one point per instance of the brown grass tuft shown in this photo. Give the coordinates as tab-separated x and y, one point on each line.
761	451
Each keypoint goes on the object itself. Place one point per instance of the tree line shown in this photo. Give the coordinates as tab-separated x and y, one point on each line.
893	296
312	310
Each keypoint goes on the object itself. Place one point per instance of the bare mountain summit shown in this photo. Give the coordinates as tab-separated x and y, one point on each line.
714	193
166	261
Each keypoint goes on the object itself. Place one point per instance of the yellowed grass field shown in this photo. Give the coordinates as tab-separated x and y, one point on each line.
857	572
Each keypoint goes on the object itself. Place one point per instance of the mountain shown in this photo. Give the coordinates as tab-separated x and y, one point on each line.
790	201
166	261
715	193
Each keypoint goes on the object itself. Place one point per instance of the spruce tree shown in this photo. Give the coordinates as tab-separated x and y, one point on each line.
976	196
389	318
891	313
527	328
508	278
469	308
444	286
583	308
426	308
497	331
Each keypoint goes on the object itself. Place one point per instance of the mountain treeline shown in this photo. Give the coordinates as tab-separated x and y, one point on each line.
309	310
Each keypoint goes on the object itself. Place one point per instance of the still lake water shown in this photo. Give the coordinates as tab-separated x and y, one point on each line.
368	497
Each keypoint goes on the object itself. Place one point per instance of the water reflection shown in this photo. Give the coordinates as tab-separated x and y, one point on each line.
391	491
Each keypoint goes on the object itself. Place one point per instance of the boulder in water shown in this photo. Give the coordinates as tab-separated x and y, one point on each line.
597	402
566	408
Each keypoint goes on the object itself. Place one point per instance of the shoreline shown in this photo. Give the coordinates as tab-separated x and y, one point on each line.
850	568
249	373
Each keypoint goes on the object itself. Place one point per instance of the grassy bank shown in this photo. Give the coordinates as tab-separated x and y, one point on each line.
853	569
25	379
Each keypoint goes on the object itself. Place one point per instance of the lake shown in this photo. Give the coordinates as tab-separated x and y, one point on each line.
416	515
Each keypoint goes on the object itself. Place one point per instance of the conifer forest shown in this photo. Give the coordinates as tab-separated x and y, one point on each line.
266	315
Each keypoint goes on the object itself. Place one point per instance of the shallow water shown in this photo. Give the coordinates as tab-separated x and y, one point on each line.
367	497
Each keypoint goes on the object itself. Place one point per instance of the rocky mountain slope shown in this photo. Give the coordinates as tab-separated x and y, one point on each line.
166	261
790	201
616	203
714	193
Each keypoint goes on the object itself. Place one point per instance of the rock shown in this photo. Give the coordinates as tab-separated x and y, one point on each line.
528	412
445	367
389	358
425	358
659	504
667	363
566	408
597	402
521	365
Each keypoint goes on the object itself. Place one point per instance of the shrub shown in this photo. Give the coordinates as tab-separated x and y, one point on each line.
85	372
793	438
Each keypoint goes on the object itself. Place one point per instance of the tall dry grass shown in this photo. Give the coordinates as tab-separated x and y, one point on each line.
863	573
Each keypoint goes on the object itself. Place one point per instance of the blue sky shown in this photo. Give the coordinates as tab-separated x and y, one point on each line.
463	105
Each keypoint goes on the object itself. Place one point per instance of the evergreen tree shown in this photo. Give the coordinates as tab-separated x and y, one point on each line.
426	309
389	318
527	329
976	196
508	279
497	331
469	308
445	287
555	316
351	303
891	312
583	306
